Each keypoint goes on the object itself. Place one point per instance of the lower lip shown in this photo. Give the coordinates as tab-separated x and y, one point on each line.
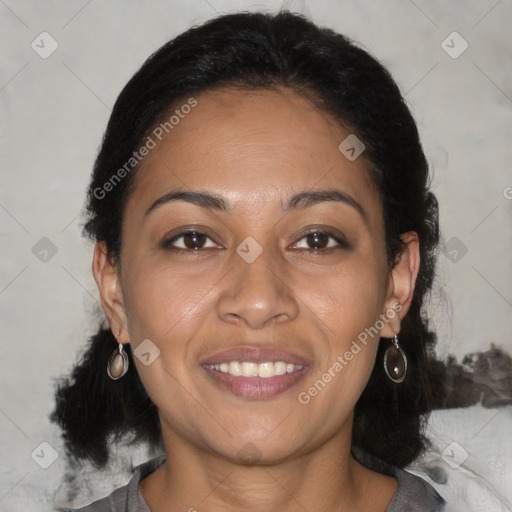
257	388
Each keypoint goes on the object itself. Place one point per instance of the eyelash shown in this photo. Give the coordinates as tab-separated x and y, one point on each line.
342	244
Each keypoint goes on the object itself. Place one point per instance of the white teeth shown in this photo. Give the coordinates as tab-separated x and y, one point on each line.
279	368
235	368
250	369
247	369
266	369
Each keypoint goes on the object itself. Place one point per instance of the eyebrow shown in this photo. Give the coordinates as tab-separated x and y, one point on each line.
310	198
298	201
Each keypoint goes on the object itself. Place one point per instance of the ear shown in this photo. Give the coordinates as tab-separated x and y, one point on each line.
109	285
402	280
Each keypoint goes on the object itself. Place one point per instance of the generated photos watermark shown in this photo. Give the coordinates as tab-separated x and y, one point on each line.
151	142
304	397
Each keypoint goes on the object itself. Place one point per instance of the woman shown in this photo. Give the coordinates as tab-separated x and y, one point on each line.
265	237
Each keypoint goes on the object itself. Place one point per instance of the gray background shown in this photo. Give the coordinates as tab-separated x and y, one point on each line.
54	112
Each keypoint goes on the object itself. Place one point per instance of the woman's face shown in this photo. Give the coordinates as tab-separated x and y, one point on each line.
287	265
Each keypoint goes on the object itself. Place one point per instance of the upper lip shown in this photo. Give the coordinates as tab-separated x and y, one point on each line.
254	355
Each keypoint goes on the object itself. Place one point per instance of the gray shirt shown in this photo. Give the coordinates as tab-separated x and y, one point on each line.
413	494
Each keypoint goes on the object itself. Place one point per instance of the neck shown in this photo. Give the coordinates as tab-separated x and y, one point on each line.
327	478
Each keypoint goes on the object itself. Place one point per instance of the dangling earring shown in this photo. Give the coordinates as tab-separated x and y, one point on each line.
118	363
395	362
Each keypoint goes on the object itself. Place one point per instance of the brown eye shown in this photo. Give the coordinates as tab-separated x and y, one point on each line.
189	240
319	241
194	240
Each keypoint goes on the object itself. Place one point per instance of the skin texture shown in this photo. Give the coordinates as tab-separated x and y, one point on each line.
255	149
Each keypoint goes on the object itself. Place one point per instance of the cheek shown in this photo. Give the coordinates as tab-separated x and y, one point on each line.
347	300
347	306
168	308
163	304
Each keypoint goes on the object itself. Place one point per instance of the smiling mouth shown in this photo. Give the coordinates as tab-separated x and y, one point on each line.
255	380
249	369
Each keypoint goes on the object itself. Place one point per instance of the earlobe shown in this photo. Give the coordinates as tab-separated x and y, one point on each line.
109	285
401	285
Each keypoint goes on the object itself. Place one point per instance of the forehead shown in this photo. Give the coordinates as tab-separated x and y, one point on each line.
251	146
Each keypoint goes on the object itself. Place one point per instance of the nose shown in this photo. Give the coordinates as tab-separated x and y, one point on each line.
257	294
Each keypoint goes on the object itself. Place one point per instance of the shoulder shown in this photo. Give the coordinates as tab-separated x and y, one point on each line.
413	494
126	498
